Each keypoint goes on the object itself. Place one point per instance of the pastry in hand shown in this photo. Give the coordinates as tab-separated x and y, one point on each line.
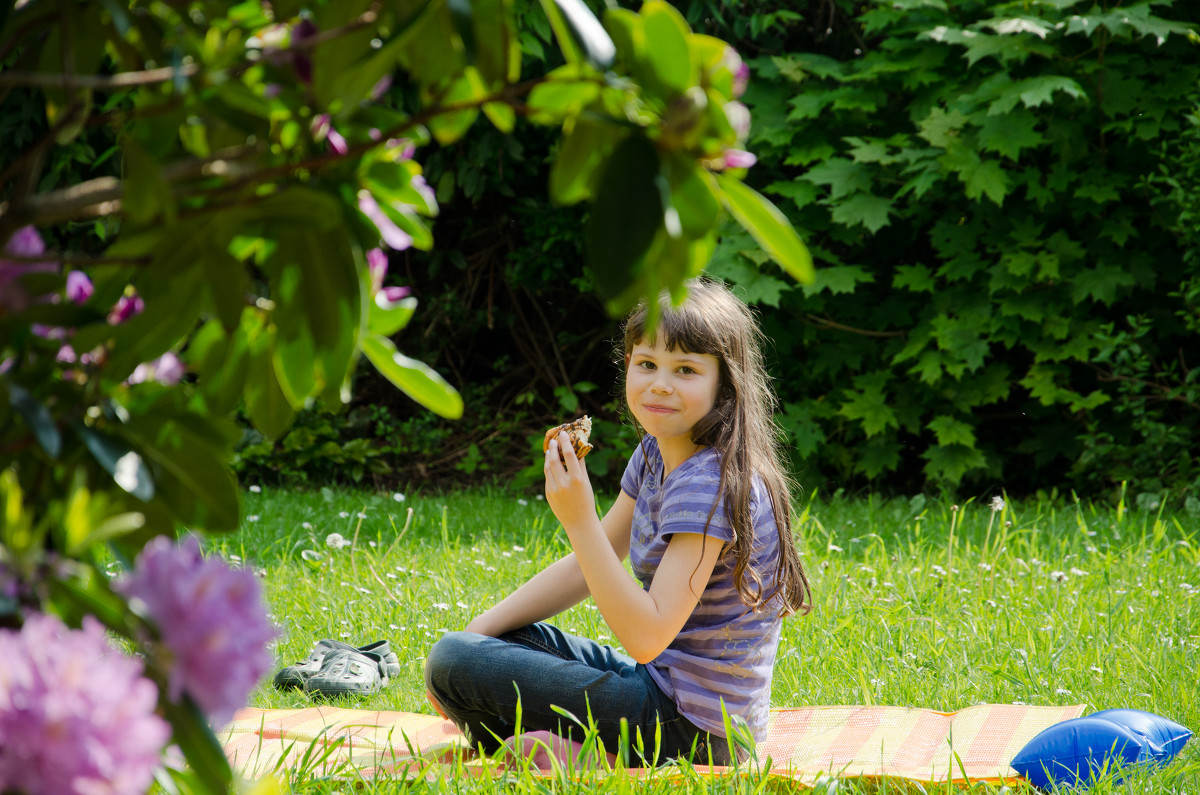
577	431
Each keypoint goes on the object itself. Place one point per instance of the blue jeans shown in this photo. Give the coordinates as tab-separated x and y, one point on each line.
477	679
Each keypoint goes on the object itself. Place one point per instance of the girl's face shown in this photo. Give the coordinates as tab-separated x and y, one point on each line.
670	391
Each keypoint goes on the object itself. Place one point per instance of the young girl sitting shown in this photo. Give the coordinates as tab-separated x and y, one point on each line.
704	516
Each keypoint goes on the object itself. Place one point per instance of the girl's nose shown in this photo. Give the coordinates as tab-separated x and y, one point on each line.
660	387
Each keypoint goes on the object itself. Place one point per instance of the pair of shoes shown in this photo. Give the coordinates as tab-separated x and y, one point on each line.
338	668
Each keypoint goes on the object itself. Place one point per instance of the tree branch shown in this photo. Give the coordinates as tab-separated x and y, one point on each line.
826	323
149	77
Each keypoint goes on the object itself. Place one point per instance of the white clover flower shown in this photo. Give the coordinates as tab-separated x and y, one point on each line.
306	525
1097	669
518	549
256	489
343	514
522	501
398	497
252	517
997	503
440	606
362	515
336	541
1062	691
1078	572
833	548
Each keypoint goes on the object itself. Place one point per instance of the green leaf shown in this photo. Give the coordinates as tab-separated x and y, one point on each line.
950	463
693	196
768	226
189	455
838	279
868	402
502	116
941	127
448	126
917	278
1034	91
126	466
385	318
564	92
416	379
949	430
191	732
800	192
863	208
675	67
988	180
1101	283
37	417
1008	133
803	427
582	151
626	215
843	176
587	31
266	403
878	456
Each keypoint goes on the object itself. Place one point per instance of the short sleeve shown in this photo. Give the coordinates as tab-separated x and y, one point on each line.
688	503
631	481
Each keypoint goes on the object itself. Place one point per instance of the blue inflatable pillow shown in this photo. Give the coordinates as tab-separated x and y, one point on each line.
1074	752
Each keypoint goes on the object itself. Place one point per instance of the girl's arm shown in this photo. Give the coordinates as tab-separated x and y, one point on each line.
559	586
645	622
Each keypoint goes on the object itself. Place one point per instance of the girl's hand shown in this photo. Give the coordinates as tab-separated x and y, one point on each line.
568	489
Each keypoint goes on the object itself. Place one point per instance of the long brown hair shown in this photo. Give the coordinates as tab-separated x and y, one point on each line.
741	426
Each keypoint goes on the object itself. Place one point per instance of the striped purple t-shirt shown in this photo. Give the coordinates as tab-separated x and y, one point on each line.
725	651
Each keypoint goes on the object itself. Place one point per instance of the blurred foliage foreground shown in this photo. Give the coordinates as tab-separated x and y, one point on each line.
199	205
1002	198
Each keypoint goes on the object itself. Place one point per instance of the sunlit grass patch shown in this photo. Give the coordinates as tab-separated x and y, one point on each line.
917	603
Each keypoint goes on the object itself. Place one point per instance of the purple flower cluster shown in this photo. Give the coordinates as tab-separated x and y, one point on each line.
212	620
76	715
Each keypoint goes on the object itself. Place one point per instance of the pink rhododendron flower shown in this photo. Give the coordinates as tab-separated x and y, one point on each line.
741	79
739	118
736	158
212	620
301	60
377	263
127	306
394	294
76	715
322	129
25	242
395	237
427	193
79	287
381	87
167	369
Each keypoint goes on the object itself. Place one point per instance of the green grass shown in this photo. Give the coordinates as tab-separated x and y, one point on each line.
917	603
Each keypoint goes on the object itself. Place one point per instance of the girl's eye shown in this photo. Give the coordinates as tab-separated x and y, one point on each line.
646	365
686	370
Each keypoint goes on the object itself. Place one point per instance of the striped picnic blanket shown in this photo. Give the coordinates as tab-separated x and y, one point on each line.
971	745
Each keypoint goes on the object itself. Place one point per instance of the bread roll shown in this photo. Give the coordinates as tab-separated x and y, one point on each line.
578	432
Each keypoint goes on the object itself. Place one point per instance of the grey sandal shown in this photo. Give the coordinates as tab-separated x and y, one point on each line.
297	675
349	672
